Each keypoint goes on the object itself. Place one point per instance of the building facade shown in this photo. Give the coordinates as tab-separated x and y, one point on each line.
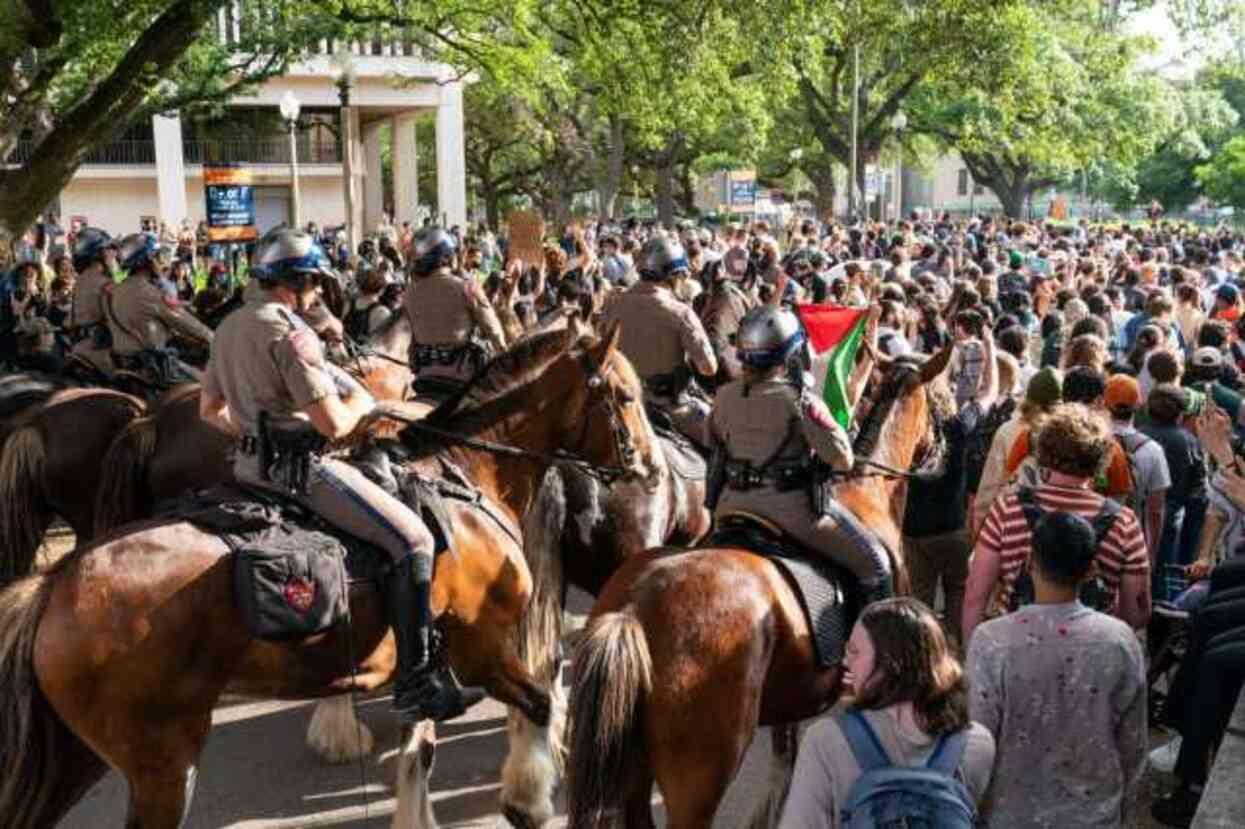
154	173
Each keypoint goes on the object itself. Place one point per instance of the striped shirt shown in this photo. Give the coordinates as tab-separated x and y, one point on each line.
1006	534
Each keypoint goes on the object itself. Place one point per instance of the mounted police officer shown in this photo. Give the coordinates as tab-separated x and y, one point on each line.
722	308
268	382
143	318
94	258
454	328
770	431
664	339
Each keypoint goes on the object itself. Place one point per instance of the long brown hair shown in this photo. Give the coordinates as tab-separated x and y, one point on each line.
913	663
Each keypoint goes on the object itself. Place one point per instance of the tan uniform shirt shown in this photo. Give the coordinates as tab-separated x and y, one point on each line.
752	421
445	310
265	358
724	307
141	316
88	297
659	333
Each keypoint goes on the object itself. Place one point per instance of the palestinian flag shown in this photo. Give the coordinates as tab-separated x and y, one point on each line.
834	334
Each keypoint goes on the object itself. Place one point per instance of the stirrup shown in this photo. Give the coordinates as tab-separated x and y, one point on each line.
432	691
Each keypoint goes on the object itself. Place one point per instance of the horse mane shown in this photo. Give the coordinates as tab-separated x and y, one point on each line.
179	393
869	437
78	393
494	392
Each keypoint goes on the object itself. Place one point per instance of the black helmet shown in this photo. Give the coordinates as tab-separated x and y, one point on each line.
141	250
432	249
287	255
768	336
660	259
90	246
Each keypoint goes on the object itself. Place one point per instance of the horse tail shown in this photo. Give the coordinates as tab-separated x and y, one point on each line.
34	765
24	515
613	674
123	475
540	629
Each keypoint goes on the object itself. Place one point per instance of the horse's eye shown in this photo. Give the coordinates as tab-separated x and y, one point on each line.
626	398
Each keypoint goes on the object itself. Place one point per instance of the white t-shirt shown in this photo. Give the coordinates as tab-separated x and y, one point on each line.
1148	464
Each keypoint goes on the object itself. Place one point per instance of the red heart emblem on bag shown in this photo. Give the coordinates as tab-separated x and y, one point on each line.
299	594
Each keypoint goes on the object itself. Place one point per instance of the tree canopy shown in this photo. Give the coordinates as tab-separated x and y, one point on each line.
570	97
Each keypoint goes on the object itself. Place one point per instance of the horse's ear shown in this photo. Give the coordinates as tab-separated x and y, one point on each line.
610	343
936	365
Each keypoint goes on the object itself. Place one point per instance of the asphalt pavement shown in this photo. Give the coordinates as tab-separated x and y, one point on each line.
257	773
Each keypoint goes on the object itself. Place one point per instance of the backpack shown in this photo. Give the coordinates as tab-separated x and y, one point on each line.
1094	592
981	438
887	796
1130	443
356	322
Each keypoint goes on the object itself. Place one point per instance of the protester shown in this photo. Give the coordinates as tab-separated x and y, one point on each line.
908	687
1072	448
1062	689
935	529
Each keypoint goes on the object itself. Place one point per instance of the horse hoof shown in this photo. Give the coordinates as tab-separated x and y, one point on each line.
518	818
335	735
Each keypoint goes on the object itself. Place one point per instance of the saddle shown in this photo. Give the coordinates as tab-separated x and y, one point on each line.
685	457
821	586
292	570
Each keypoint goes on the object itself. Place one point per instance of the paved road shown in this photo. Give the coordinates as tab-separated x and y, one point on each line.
256	772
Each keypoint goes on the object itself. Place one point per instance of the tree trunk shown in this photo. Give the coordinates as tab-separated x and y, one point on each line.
1012	194
609	182
25	190
492	206
687	189
664	191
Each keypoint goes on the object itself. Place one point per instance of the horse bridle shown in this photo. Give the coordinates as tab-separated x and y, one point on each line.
598	380
930	461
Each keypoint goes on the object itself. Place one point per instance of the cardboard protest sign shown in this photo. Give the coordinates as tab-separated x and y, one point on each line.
527	237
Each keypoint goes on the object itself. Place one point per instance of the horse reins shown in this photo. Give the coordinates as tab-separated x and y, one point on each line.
606	474
871	432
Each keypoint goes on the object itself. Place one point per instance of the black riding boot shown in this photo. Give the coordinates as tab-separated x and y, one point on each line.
425	688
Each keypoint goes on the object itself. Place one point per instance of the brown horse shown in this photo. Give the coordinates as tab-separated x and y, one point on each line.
50	466
579	531
687	652
117	655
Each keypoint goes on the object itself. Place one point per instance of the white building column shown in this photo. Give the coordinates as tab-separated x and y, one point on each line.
170	168
373	177
451	157
405	168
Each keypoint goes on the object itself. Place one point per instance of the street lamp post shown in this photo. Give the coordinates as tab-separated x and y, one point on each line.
289	111
635	189
344	70
797	153
900	123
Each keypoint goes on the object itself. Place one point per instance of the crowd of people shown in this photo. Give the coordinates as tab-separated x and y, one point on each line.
1087	513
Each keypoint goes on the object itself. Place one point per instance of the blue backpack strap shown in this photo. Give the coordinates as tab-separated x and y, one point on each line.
863	741
948	753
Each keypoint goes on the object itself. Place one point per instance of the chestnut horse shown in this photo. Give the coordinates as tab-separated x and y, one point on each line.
579	531
50	466
117	654
686	652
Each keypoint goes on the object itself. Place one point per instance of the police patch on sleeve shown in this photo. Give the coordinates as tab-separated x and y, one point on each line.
306	345
815	410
